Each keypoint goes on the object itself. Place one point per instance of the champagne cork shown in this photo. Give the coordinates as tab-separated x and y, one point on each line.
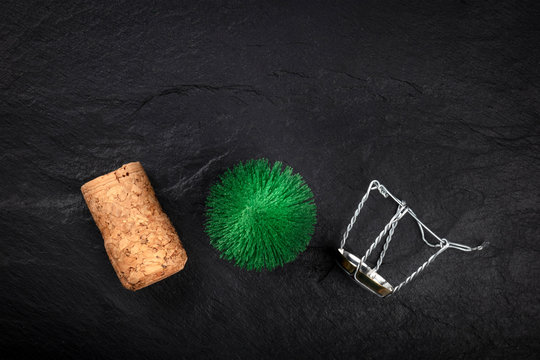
140	240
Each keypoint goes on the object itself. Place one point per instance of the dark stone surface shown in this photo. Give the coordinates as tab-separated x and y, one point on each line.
439	101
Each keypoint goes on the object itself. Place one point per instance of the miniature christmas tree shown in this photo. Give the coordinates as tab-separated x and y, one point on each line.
260	216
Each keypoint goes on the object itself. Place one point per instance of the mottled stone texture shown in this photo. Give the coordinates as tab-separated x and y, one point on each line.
439	101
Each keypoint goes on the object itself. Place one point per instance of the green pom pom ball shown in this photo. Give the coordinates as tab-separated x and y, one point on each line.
260	216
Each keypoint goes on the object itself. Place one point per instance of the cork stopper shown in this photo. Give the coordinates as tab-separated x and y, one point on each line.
141	242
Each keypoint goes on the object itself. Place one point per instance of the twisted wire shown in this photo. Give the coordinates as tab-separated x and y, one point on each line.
387	242
372	186
392	221
423	266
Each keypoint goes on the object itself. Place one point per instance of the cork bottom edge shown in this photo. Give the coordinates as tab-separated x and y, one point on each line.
135	287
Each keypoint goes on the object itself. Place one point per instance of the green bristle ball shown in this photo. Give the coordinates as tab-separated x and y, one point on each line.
260	216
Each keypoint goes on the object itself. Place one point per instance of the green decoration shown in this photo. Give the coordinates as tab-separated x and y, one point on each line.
259	216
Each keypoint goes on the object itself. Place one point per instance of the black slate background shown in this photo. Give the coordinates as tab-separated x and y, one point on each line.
438	100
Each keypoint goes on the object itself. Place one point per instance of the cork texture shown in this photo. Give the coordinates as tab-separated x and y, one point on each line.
140	240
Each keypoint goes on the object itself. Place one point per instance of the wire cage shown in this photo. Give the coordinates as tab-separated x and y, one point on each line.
369	277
